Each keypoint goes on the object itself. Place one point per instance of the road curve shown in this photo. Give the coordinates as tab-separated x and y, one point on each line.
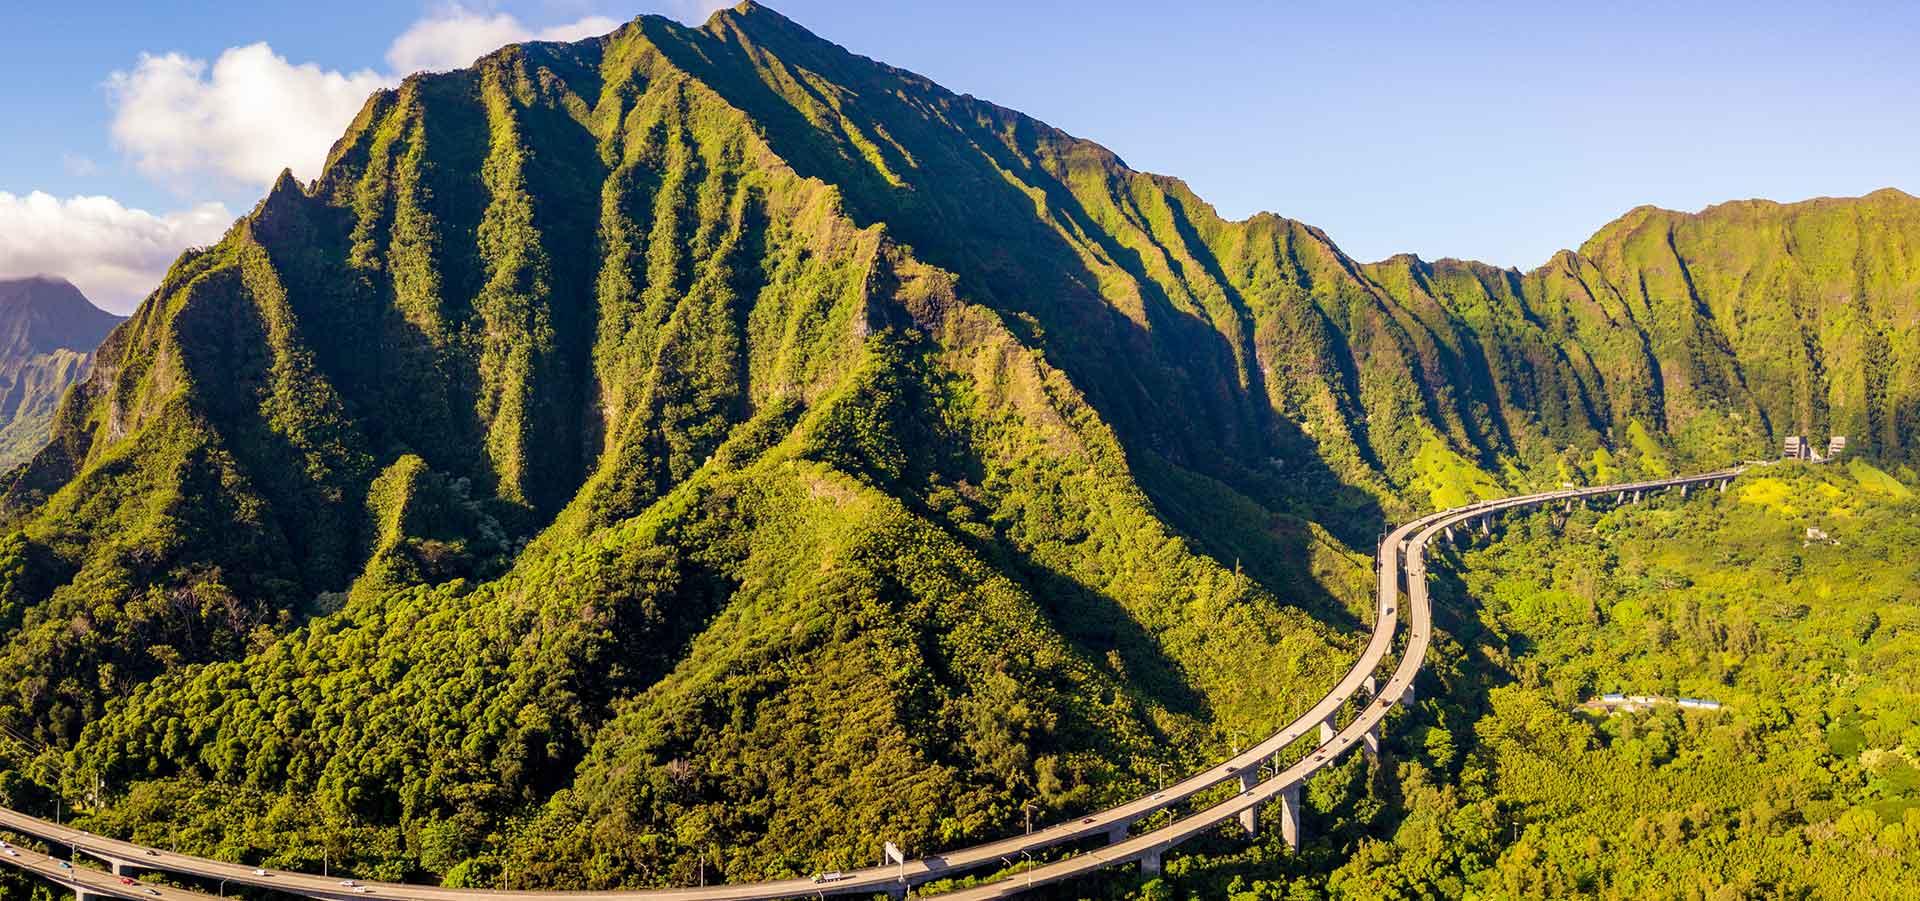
1408	540
91	881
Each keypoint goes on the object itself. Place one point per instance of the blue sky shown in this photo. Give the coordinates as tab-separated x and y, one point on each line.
1499	132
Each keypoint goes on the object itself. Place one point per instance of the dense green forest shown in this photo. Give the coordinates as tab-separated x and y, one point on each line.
707	453
1805	783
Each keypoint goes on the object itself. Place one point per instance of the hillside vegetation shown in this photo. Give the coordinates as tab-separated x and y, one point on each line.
704	452
1504	783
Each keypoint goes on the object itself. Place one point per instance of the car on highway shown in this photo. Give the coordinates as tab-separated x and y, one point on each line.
12	853
259	872
832	876
128	880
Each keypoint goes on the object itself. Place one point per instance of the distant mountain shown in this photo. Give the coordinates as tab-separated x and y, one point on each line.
707	451
48	332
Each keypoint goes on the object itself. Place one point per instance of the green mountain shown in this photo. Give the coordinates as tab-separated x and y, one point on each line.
48	332
709	452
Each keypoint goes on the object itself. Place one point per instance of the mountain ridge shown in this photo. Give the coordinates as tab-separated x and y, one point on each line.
48	332
701	438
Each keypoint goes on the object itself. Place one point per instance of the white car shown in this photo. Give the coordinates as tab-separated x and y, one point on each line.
12	853
259	872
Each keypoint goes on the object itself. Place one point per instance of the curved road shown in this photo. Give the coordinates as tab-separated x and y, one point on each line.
1407	542
90	881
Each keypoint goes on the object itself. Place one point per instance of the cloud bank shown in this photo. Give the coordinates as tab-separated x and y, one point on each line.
249	115
114	254
234	123
459	36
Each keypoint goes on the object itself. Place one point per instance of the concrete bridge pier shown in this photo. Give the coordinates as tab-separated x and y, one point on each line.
1372	685
1150	862
116	867
1117	833
1406	697
1250	818
1370	742
1327	728
1290	816
1723	485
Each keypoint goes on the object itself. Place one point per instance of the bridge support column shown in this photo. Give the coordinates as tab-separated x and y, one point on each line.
897	892
1372	685
1290	816
1723	485
1370	742
114	866
1150	863
1250	818
1684	488
1406	697
1486	525
1117	833
1327	729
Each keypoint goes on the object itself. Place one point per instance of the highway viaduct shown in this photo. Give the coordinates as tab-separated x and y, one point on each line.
1402	592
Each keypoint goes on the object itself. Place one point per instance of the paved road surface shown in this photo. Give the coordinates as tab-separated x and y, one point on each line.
93	882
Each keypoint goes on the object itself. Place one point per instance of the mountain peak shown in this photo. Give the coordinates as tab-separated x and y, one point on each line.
43	313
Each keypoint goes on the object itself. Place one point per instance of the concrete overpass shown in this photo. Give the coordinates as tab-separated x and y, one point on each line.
1401	560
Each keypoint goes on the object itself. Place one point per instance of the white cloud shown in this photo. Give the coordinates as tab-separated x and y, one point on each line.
458	36
251	113
242	120
694	12
114	254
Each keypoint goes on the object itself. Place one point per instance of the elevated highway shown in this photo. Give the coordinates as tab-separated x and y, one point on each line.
1401	560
